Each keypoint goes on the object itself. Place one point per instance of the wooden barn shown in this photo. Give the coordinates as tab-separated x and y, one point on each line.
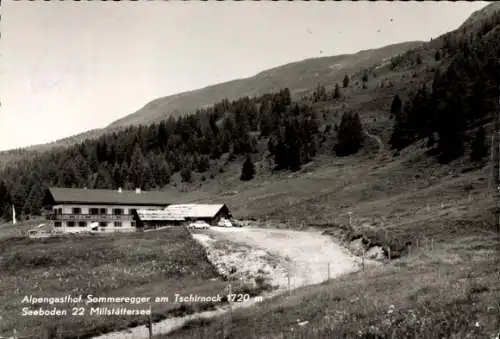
175	215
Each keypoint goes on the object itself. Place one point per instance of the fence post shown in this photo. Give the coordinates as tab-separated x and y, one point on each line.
328	270
150	322
363	259
230	320
288	276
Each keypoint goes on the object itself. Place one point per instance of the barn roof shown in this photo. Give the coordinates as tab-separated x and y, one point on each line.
149	215
194	210
57	195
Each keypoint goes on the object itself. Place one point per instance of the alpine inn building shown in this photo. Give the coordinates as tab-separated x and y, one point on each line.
73	210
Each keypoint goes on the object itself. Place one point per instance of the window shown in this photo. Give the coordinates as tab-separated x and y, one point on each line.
82	224
57	224
71	224
103	211
118	224
103	224
94	211
77	210
117	211
133	210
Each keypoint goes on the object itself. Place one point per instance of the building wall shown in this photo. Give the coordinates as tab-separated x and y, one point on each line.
85	209
123	223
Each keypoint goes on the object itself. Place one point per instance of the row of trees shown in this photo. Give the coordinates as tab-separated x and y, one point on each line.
321	94
462	97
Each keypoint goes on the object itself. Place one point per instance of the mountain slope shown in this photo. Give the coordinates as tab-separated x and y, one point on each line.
300	77
483	14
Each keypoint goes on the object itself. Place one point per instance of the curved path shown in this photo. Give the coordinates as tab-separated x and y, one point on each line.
300	257
308	257
379	142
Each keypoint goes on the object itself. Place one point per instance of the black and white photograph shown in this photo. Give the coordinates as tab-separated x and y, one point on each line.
249	169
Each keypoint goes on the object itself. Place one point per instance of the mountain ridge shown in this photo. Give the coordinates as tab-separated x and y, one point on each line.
289	75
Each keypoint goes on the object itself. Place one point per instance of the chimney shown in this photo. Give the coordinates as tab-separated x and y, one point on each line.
119	190
138	190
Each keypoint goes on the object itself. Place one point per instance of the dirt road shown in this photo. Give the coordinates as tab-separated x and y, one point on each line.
307	257
249	252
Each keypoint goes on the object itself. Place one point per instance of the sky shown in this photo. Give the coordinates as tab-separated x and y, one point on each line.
68	67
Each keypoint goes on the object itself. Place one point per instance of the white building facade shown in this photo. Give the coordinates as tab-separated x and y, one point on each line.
80	210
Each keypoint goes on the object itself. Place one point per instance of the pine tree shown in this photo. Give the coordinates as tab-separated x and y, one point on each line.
277	148
33	201
345	82
265	121
479	145
103	180
349	135
365	77
320	93
451	123
396	106
148	179
293	144
136	169
247	170
402	132
420	113
419	59
287	97
437	56
336	92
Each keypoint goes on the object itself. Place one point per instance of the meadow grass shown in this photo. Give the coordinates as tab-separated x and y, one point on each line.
154	264
430	295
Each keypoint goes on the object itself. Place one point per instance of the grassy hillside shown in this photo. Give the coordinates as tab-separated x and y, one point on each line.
300	77
154	264
437	219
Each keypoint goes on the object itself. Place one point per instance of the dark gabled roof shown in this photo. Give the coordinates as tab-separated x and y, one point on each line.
57	195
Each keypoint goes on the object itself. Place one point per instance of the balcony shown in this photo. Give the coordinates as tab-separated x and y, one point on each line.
89	217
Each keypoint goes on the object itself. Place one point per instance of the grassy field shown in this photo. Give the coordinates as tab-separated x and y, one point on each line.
8	230
431	294
154	264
